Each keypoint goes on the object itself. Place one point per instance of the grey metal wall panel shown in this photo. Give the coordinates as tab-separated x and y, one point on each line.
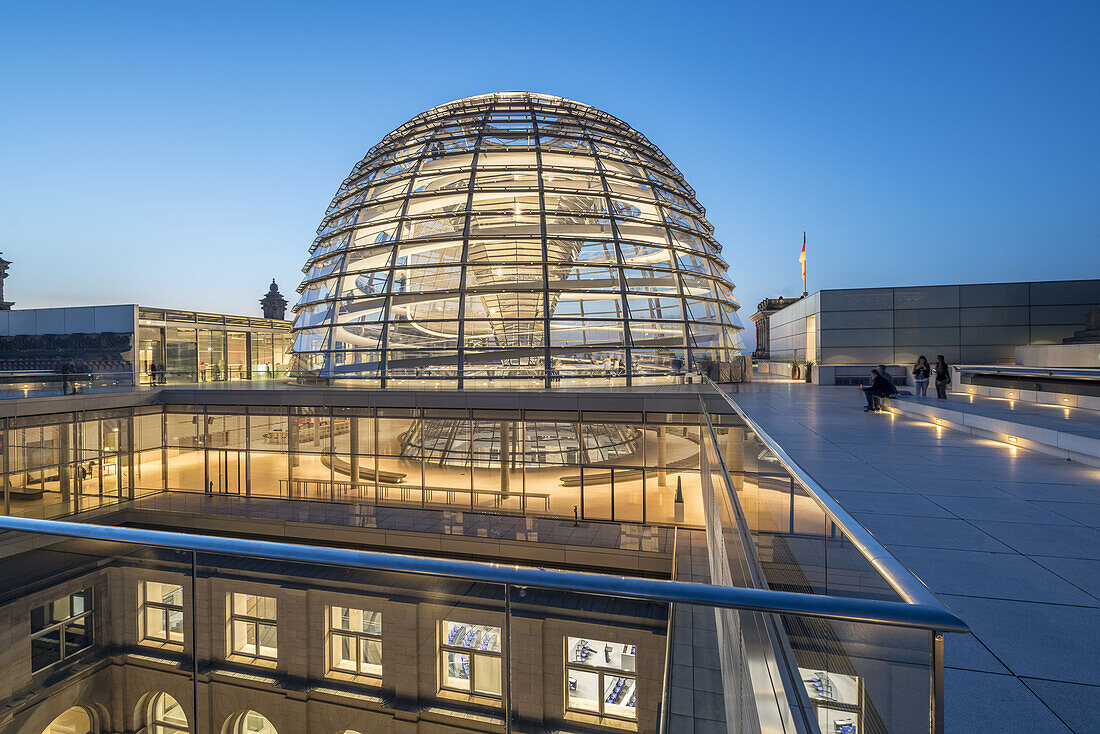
947	335
994	316
22	322
857	299
856	319
908	355
857	355
925	317
857	337
933	296
1050	333
1065	292
988	335
994	294
79	320
1063	315
986	354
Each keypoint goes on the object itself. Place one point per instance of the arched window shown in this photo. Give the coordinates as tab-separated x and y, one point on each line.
166	716
77	720
251	722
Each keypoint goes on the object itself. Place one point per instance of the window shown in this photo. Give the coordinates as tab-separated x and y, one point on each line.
251	722
166	716
355	641
161	612
470	658
76	720
600	678
252	626
61	629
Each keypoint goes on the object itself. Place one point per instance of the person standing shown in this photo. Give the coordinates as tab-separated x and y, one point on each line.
921	372
943	377
67	381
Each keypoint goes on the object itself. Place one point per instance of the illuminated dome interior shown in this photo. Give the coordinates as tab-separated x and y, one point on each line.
514	238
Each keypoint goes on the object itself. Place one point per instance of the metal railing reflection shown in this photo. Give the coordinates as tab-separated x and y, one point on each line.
773	526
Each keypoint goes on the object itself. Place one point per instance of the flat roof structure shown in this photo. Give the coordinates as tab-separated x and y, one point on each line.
971	323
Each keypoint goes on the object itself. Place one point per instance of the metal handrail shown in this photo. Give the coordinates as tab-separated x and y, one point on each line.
919	616
901	579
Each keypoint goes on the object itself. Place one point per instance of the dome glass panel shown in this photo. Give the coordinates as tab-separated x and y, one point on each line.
514	239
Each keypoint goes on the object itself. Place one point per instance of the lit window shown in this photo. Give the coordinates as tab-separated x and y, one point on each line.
161	612
76	720
470	658
61	629
252	626
166	716
355	641
601	678
251	722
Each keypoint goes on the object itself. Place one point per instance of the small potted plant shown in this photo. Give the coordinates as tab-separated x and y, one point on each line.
796	368
809	365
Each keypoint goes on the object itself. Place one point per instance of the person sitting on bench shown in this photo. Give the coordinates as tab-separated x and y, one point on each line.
880	387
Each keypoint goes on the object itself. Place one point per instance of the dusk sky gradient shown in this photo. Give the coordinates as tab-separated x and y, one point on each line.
183	154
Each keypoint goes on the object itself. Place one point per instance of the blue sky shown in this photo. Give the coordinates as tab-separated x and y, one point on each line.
183	154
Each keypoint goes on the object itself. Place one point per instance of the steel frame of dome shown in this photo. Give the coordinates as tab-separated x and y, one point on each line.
514	238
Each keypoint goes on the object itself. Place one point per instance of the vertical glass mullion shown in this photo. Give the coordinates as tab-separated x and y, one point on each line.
625	314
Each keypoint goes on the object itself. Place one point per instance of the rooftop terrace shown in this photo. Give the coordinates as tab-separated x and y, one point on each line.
1008	538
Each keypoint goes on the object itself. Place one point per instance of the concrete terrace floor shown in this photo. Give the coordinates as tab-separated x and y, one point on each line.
1009	539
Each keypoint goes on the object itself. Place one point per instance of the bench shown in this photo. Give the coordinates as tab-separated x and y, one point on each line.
371	475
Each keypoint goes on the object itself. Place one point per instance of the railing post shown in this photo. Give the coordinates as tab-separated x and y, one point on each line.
195	639
936	698
507	658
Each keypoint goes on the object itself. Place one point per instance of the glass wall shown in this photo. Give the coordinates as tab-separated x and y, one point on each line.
628	467
56	465
176	347
150	354
213	355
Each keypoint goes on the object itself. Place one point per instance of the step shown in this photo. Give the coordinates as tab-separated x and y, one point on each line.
1062	431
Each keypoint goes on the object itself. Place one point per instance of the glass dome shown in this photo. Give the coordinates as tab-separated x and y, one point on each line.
514	238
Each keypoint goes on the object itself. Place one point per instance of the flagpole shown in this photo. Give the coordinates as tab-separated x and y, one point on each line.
805	292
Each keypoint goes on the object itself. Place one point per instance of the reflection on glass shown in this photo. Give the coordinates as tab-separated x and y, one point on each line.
470	658
166	716
600	677
355	637
161	612
252	625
